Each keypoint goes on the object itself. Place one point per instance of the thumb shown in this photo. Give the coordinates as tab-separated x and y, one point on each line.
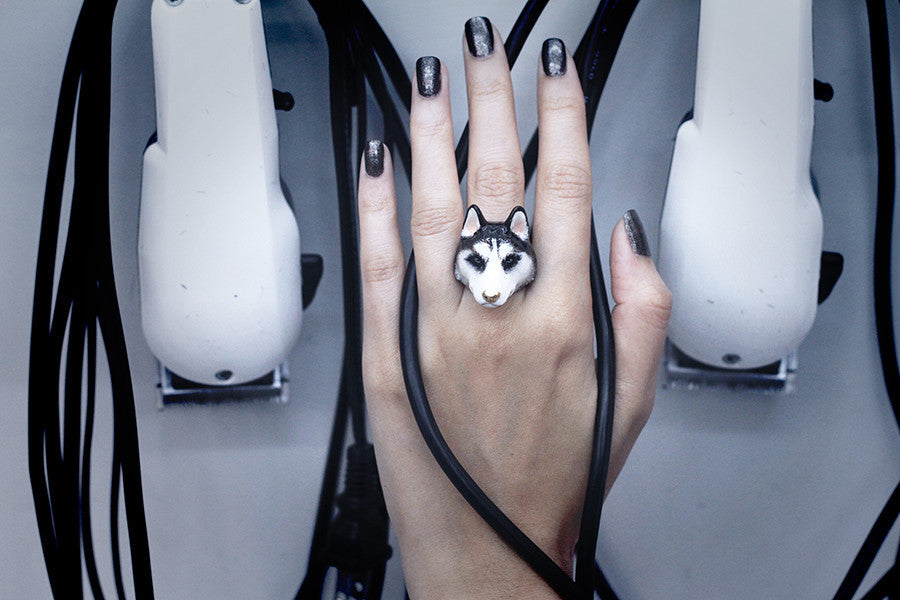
640	319
643	302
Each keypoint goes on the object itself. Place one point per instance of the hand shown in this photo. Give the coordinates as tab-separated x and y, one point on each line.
513	388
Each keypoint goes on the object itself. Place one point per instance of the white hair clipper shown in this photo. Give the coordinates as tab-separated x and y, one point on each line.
741	229
219	247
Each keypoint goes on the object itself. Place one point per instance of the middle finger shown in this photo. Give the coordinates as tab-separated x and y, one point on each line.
496	178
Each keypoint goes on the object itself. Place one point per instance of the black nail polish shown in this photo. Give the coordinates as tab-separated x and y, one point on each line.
636	235
428	76
374	158
553	57
479	36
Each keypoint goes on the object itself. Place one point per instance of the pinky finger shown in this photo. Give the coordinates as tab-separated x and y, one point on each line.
382	265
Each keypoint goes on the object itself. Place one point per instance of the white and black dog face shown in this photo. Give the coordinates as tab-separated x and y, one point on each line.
495	259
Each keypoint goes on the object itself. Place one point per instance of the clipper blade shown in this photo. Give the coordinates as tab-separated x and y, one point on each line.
683	372
272	387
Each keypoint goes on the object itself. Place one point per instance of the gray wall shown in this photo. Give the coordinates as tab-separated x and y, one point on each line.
727	494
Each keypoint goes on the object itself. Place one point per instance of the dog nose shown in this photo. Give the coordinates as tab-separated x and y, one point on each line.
490	295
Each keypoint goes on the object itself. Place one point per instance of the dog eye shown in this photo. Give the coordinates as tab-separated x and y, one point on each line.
510	262
476	261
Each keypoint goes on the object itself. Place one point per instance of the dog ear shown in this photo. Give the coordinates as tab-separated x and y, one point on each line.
474	221
517	222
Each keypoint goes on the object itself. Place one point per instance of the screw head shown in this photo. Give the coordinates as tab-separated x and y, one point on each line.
731	359
174	2
224	375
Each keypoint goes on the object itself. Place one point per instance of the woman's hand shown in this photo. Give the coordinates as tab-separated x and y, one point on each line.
513	388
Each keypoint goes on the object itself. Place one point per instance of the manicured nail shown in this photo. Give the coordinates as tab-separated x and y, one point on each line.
636	236
428	76
374	158
553	57
479	36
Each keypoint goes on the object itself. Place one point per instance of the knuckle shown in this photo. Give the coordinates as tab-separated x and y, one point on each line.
635	399
433	128
657	306
489	89
431	221
563	329
375	199
564	105
497	181
381	378
567	181
636	403
381	269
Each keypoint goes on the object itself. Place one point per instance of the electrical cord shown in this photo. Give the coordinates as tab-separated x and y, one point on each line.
340	86
85	300
887	585
870	547
377	83
46	340
311	587
884	133
350	66
884	318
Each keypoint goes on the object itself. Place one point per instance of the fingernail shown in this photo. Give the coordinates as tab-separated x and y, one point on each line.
636	236
553	57
374	158
428	76
479	36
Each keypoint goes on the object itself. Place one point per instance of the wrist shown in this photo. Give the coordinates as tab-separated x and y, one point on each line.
475	563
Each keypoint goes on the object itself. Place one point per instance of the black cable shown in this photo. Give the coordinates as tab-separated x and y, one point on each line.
601	585
90	559
370	42
884	219
594	64
311	587
125	440
884	320
885	587
373	34
45	350
85	299
870	547
374	75
114	490
586	547
348	72
357	68
608	29
340	76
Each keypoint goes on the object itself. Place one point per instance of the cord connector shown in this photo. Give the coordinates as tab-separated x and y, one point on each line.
357	544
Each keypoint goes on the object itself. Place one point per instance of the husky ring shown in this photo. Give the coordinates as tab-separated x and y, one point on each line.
495	259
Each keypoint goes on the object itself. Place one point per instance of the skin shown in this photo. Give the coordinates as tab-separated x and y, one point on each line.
519	420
